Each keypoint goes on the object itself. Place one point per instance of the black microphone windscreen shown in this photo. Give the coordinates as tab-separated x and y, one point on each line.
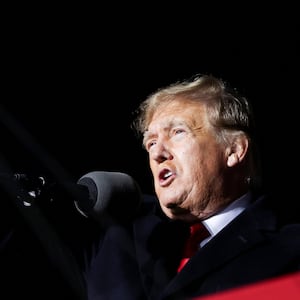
112	194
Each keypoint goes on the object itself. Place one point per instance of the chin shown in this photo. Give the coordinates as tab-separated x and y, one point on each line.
175	215
168	212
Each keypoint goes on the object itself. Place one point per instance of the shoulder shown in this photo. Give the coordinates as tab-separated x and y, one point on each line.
291	231
287	242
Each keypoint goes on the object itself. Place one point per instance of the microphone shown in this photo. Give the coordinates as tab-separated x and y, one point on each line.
110	194
97	194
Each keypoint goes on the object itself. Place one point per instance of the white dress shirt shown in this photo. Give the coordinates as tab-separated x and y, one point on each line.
217	222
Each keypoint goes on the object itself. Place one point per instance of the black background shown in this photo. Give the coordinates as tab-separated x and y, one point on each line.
72	77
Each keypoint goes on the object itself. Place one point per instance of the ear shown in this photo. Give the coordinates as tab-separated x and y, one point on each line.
237	150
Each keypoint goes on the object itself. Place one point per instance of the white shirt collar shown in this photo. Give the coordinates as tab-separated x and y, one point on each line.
217	222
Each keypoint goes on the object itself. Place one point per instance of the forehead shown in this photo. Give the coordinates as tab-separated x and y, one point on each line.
186	111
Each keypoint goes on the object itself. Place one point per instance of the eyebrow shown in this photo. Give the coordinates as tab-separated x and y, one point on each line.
170	124
147	136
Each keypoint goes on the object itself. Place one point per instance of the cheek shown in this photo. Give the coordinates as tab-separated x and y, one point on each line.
187	149
191	156
152	165
201	163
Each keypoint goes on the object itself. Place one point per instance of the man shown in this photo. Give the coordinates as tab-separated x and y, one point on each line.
200	138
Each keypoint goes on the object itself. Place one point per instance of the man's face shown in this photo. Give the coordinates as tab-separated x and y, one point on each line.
186	160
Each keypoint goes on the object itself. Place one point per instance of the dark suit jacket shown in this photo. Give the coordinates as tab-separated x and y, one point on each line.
139	261
121	259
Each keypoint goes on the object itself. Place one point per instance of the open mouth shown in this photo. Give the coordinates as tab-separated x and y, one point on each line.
166	176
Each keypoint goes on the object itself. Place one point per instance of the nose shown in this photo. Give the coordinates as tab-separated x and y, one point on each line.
160	152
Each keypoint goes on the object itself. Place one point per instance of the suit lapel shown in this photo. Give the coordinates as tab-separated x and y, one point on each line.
157	251
240	235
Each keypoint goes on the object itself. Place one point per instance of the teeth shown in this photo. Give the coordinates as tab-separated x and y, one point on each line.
168	174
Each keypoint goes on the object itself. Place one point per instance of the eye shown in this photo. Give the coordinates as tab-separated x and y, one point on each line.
149	144
176	131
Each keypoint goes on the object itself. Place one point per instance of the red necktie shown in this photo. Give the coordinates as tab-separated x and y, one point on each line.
198	233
